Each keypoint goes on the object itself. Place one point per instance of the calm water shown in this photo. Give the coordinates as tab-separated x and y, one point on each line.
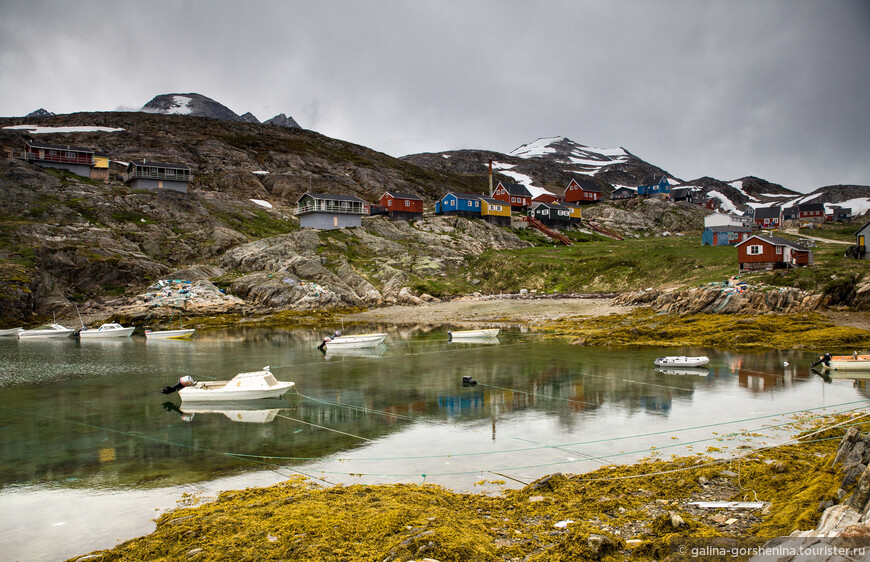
92	452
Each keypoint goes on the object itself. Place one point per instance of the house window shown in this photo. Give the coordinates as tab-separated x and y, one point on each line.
407	203
170	172
70	154
389	202
452	202
779	250
754	250
513	199
477	203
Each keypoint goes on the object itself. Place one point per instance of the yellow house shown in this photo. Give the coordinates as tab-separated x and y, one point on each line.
100	169
574	215
495	211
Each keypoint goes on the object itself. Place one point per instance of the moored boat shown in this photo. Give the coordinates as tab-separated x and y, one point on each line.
10	332
255	385
682	361
697	371
472	334
110	330
852	362
47	331
338	340
169	334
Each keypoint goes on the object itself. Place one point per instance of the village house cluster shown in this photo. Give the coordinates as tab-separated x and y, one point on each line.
545	211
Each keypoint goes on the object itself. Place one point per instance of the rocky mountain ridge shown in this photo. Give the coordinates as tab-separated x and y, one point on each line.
198	105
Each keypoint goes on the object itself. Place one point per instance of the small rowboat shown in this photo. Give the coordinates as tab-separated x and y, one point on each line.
244	386
472	334
111	330
682	361
169	334
351	342
11	332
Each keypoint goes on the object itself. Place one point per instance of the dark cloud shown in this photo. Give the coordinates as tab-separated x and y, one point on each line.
773	89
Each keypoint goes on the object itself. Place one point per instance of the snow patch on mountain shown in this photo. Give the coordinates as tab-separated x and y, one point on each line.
724	202
520	178
859	205
181	105
37	129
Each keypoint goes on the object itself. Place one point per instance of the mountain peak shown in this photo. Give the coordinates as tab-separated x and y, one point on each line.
282	120
195	105
40	113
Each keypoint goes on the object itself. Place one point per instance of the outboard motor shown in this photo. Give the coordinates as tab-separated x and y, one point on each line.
826	359
468	381
328	339
184	381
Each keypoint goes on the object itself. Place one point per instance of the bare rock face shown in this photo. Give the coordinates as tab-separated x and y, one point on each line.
282	120
716	300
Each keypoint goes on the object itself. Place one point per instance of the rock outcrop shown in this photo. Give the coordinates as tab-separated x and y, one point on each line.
706	300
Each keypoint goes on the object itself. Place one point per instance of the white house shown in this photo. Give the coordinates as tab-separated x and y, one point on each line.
722	219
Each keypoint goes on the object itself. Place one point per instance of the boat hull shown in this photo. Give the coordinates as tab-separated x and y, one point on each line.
43	333
355	342
848	363
473	334
682	361
104	334
169	334
212	393
11	333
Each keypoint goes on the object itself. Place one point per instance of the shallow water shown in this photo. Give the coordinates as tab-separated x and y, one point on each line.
92	451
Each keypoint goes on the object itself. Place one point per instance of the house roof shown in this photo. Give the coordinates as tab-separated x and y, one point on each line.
768	212
397	195
491	200
58	147
586	185
681	191
516	189
728	228
775	241
806	207
149	164
330	197
462	195
624	188
555	206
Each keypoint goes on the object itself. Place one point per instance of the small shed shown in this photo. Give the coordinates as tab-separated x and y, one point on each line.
158	175
722	219
859	250
575	212
402	206
724	235
686	194
326	211
582	191
495	211
771	252
457	203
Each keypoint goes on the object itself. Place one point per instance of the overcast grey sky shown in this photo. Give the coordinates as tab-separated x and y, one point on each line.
775	89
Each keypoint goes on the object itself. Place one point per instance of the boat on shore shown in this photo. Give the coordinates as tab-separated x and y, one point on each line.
169	334
472	334
355	341
852	362
110	330
10	332
46	331
255	385
682	361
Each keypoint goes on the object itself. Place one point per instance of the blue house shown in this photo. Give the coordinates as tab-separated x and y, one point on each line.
462	204
653	187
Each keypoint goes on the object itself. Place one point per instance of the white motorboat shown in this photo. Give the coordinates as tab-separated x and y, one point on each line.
852	362
244	386
472	334
47	331
110	330
337	341
682	361
169	334
10	332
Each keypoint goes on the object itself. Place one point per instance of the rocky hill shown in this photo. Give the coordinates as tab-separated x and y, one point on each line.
67	240
198	105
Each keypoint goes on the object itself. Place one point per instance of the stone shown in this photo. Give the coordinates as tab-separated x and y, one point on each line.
837	517
677	521
859	497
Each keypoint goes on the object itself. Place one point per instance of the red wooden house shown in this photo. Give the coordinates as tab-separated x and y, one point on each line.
75	159
771	252
768	217
515	194
582	191
811	211
402	206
